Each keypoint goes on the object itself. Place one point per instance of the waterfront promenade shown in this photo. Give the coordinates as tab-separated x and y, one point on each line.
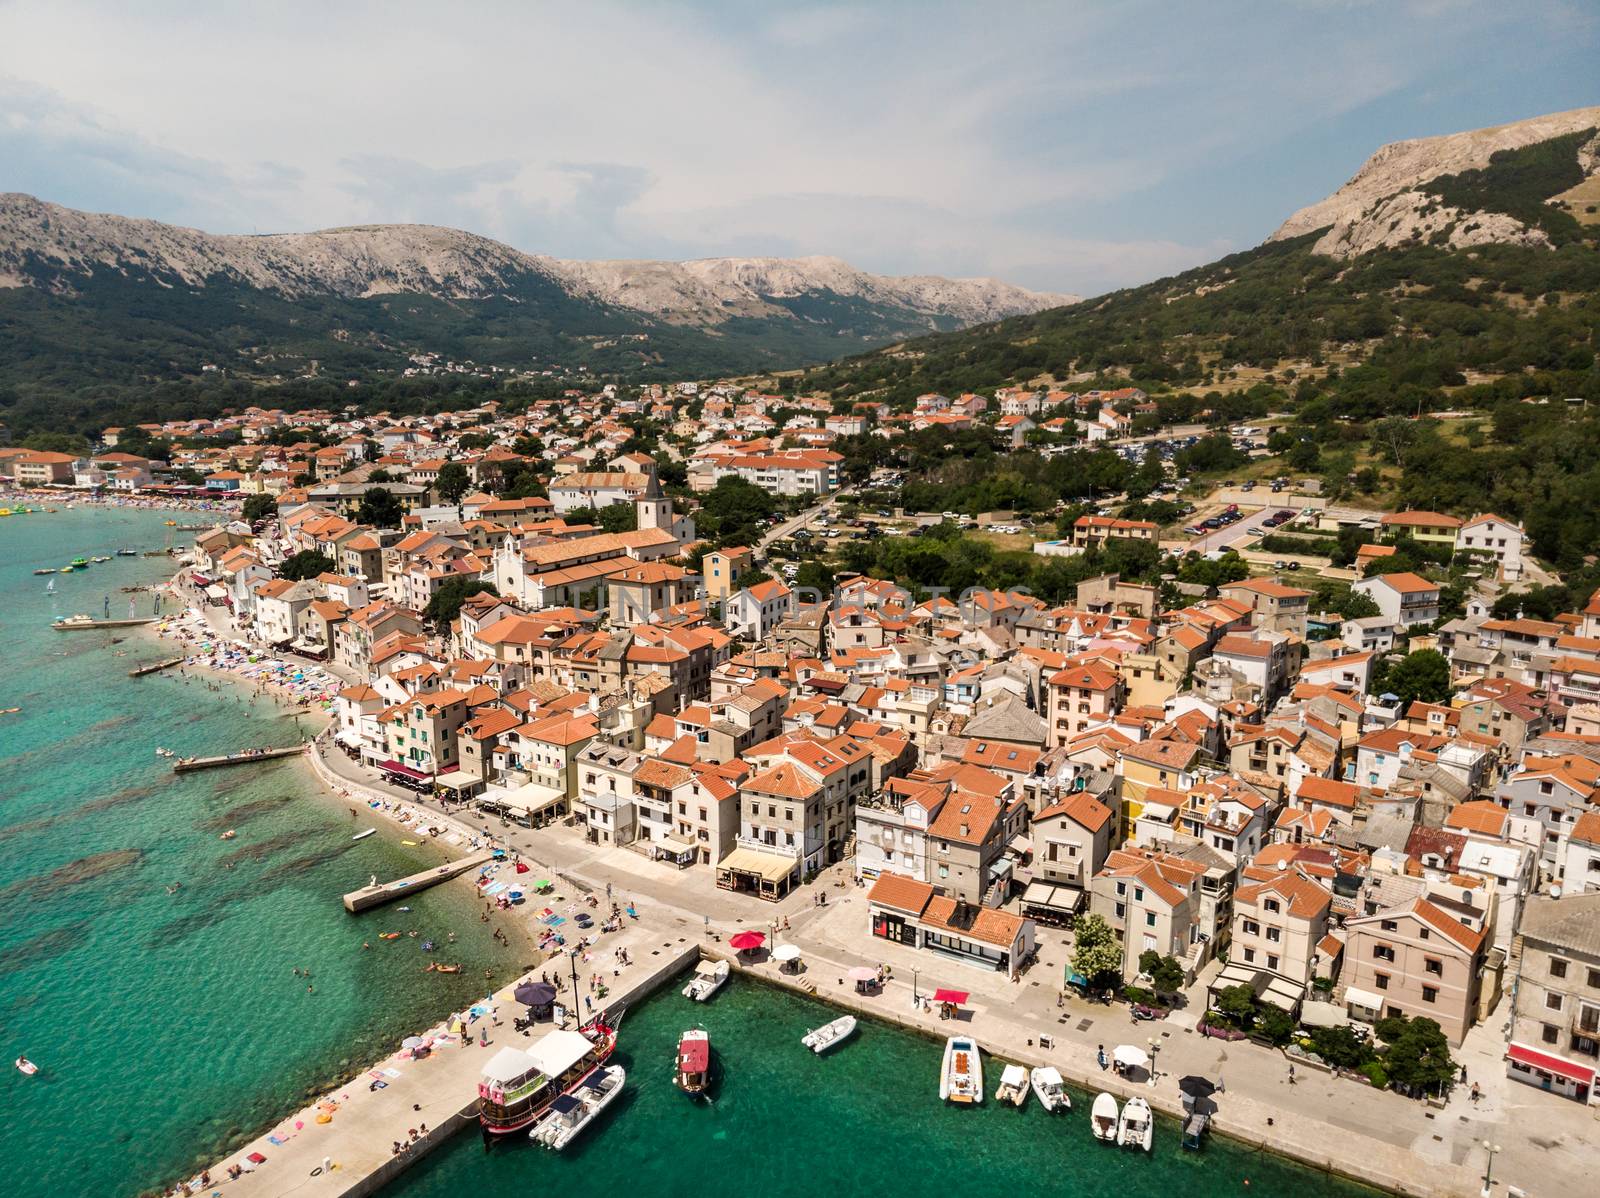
1336	1124
1324	1121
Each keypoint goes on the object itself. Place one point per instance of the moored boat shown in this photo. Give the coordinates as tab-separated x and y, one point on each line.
518	1085
27	1066
961	1076
709	977
571	1113
693	1075
1136	1128
1049	1089
819	1040
1103	1117
1013	1087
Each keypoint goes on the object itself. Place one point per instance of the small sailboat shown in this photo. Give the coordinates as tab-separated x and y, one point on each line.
709	977
1013	1087
961	1075
363	835
1049	1089
1136	1128
571	1113
693	1074
819	1040
1103	1117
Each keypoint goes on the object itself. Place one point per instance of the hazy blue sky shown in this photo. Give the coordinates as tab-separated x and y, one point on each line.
1068	146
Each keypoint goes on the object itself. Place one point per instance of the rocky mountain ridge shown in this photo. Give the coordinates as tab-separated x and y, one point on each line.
1388	203
44	244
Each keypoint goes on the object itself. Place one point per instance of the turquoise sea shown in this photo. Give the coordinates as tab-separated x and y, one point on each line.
865	1121
168	1025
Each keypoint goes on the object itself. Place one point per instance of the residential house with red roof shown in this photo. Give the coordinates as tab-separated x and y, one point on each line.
1418	960
1405	598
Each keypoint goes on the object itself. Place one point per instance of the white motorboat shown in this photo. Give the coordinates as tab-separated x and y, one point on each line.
570	1113
1103	1117
961	1076
27	1067
819	1040
363	835
1013	1087
709	977
1049	1089
1136	1128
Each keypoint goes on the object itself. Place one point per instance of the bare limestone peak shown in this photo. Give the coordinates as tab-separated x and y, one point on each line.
40	239
1386	202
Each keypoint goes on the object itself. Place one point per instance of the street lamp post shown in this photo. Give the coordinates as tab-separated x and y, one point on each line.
1488	1169
913	987
1155	1047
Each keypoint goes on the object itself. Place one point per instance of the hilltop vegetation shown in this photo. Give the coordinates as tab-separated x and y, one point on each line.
1353	349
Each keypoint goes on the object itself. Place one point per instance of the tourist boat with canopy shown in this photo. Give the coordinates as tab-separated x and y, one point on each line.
693	1074
819	1040
961	1078
1136	1128
709	977
571	1113
1049	1089
1013	1087
518	1085
1103	1118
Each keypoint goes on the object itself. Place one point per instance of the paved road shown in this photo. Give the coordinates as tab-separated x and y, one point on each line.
795	523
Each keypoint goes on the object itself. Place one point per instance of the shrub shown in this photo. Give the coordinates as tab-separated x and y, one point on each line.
1374	1072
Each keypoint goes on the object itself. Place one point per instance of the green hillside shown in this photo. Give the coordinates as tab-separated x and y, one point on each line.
1350	348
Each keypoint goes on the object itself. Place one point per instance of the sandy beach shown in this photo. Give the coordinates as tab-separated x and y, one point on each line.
71	500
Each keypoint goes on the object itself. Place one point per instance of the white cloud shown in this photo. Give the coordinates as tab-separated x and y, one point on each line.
939	138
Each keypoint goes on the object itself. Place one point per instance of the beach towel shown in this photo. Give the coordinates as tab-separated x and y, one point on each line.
275	1140
392	1072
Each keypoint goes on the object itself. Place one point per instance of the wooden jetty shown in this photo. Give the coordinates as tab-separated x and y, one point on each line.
249	757
156	667
368	897
70	625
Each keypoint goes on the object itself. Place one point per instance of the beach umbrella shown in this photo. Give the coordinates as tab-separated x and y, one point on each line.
1196	1086
534	994
786	952
412	1043
1130	1056
953	997
746	941
863	973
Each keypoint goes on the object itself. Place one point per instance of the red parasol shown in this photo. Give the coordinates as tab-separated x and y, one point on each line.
745	941
956	997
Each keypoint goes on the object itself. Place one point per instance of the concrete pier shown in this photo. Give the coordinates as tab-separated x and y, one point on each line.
189	764
439	1091
85	625
156	667
369	897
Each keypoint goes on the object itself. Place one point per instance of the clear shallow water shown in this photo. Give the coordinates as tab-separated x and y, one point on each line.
863	1122
167	1025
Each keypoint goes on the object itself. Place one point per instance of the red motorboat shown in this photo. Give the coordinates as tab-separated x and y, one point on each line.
693	1075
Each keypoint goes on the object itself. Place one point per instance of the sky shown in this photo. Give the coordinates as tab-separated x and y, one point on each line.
1070	147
